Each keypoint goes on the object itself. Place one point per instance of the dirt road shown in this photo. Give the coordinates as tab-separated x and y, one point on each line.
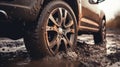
13	54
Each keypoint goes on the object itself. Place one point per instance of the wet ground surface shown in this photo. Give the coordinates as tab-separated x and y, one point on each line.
14	54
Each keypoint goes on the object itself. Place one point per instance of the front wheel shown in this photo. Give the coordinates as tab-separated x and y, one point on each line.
100	36
55	31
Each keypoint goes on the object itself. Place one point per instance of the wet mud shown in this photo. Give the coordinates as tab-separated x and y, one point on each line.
87	54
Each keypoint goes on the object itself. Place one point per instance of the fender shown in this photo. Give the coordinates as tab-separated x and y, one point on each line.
21	10
102	15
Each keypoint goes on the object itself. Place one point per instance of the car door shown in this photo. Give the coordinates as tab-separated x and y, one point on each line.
90	16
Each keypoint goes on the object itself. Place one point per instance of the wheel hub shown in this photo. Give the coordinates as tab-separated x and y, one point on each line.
60	30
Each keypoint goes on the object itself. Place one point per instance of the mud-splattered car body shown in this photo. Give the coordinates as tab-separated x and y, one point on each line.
17	16
25	11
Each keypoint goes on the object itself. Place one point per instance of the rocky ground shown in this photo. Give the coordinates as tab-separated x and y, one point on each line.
14	54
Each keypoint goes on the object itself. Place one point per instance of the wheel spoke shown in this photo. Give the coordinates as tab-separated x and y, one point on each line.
104	28
53	43
60	15
51	28
65	14
104	34
70	31
69	24
65	42
103	25
72	38
53	20
68	41
58	44
104	31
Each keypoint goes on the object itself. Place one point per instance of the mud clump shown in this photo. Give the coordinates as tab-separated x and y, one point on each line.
92	55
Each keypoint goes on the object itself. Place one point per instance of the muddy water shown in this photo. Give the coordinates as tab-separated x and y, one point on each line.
14	54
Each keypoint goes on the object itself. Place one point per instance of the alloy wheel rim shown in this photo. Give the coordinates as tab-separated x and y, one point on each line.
60	30
104	30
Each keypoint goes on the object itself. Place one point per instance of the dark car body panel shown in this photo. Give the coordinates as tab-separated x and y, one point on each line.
21	10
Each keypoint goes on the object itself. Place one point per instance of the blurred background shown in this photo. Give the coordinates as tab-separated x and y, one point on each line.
112	11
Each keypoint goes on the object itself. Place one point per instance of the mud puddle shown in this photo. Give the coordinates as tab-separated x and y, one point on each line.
88	55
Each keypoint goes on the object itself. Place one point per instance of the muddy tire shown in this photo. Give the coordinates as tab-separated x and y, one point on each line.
100	37
55	31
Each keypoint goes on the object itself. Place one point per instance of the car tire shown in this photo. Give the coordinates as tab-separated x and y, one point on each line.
100	37
55	31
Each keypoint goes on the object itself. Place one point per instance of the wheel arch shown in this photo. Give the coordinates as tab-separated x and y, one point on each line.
102	16
73	4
